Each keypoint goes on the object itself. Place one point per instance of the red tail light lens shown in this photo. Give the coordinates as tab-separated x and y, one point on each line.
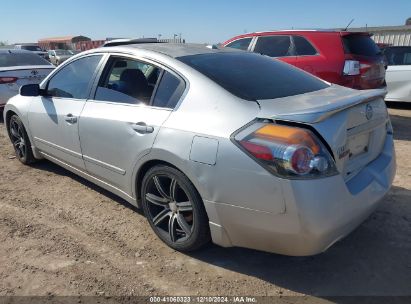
286	151
4	80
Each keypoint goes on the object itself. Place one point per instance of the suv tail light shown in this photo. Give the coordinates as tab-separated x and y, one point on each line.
351	68
4	80
286	151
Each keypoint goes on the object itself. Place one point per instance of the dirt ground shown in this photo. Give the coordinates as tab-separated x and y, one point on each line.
61	235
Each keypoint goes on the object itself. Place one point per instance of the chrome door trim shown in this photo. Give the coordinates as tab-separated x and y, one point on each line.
104	165
65	150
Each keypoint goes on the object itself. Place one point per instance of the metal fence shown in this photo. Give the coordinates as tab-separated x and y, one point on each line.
394	39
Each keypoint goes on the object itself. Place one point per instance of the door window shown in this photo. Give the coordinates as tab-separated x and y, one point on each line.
127	81
303	47
398	55
241	44
73	80
274	46
169	91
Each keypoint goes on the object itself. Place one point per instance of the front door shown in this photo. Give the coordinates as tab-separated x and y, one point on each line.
119	126
54	118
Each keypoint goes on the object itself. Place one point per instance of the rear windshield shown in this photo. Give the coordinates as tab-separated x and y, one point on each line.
20	59
360	45
252	76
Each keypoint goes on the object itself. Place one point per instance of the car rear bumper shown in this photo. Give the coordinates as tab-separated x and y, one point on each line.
318	212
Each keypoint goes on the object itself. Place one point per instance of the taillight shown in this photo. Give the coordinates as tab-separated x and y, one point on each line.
286	151
351	68
7	79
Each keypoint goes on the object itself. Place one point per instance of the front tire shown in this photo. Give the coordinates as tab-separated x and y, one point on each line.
174	209
20	140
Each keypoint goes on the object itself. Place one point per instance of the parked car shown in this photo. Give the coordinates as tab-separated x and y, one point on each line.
213	144
59	56
32	48
398	75
345	58
17	68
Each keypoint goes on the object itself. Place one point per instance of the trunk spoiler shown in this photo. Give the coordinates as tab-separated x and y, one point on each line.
316	106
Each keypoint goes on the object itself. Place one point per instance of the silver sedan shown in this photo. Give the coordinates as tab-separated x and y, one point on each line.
218	145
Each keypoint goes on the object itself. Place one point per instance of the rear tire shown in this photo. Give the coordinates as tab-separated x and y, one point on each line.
174	209
20	140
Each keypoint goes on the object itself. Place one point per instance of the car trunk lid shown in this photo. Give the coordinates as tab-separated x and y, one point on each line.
353	123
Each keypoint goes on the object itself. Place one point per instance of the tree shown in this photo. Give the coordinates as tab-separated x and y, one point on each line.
408	22
3	43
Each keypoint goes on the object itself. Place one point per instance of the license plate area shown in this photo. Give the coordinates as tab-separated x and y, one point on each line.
358	144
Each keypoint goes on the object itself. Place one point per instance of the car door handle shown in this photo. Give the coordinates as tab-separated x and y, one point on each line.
70	118
142	128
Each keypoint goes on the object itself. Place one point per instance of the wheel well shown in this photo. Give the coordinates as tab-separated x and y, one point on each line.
144	169
9	114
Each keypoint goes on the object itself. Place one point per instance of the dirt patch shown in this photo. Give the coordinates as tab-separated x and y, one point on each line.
61	235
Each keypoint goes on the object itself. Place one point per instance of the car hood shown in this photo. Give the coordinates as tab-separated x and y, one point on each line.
316	106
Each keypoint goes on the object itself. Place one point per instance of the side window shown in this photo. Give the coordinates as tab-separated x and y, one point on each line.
241	44
127	81
169	91
398	56
273	46
73	80
303	47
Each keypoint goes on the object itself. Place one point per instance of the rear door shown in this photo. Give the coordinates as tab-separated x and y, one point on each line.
118	126
307	55
276	46
54	118
398	76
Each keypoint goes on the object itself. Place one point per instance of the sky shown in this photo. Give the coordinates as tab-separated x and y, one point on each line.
204	21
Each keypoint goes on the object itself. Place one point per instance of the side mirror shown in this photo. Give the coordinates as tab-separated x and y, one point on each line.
32	90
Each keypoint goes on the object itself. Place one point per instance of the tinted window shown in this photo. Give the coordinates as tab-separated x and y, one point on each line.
241	44
398	56
31	48
169	91
303	47
73	80
360	45
127	81
273	46
252	76
20	59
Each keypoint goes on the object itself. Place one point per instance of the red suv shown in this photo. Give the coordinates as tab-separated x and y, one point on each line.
345	58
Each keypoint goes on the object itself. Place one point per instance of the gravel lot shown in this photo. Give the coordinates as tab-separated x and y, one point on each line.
61	235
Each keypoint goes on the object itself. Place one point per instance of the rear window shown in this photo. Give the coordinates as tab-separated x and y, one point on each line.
360	45
21	59
252	76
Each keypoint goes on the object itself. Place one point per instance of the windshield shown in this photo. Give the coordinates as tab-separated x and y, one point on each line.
62	52
21	59
31	48
253	76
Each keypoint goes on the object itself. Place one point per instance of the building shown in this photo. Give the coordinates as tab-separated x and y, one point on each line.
389	35
67	42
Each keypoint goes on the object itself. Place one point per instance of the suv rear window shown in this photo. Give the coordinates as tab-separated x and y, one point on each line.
360	45
252	76
21	59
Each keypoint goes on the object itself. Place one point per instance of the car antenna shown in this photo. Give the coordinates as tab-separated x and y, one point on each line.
348	24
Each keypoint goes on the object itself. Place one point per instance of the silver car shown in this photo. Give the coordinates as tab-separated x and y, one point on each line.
17	68
219	145
59	56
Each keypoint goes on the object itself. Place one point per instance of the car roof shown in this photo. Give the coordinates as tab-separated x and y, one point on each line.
173	50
